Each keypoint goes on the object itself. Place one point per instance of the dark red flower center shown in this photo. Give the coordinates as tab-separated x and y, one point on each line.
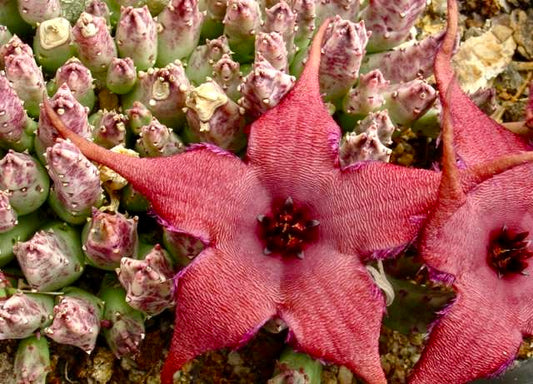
508	252
287	230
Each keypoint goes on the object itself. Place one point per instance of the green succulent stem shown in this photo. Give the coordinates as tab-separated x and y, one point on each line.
125	328
293	366
32	360
27	225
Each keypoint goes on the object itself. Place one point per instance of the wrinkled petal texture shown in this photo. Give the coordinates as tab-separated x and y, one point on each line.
223	298
477	137
294	147
462	348
480	332
375	209
328	299
323	321
182	191
459	244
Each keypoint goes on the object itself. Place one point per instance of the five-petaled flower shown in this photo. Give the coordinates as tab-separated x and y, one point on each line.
287	232
478	237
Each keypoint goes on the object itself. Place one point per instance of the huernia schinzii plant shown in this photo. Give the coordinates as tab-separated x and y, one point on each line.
478	238
76	319
278	223
289	234
51	259
21	314
148	282
32	360
8	216
109	236
123	326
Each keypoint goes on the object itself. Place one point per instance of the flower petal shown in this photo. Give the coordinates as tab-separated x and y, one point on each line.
295	145
181	187
183	193
321	319
222	300
381	220
455	241
471	340
474	131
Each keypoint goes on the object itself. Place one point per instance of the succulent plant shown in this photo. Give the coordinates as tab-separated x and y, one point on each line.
109	128
163	92
53	44
406	102
138	116
52	258
123	326
11	18
294	367
149	282
25	228
21	314
215	118
78	79
25	76
5	35
158	75
95	45
406	63
26	181
77	317
13	46
179	32
281	18
8	216
99	8
227	73
368	95
121	75
133	201
202	59
108	237
16	129
71	111
38	11
264	87
76	185
390	22
368	141
271	47
242	21
136	37
156	139
343	50
182	247
32	361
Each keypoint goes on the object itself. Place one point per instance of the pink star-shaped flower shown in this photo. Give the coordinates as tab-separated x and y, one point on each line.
286	232
478	238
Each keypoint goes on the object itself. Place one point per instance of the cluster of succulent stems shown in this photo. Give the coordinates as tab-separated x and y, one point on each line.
150	81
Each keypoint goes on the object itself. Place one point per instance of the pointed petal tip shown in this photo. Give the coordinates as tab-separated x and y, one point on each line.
170	367
443	69
450	187
479	173
89	149
311	69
